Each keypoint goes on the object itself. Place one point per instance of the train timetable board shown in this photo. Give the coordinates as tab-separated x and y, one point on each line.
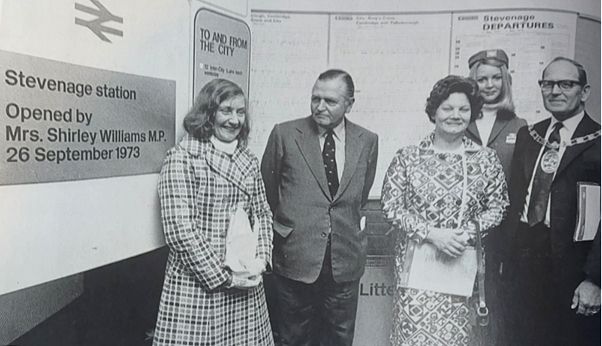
395	59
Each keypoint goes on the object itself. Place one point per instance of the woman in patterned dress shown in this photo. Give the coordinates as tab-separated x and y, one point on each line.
204	179
432	193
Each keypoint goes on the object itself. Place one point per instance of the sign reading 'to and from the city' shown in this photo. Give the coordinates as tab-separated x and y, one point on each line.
222	49
60	121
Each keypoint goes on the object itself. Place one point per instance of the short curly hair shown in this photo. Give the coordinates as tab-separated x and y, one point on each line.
454	84
200	119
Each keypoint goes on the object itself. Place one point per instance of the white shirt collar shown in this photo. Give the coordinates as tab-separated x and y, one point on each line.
570	124
338	131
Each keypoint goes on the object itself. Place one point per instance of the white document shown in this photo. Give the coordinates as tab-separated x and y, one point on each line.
588	207
434	271
241	243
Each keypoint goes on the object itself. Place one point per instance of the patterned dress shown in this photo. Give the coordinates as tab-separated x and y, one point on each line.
200	187
424	187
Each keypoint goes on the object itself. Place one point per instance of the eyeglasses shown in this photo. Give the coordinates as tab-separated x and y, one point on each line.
230	111
564	85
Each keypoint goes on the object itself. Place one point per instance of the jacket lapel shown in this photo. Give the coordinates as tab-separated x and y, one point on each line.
498	126
235	169
586	126
532	149
309	145
353	151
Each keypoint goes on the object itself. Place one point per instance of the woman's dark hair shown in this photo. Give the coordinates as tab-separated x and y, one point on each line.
200	119
454	84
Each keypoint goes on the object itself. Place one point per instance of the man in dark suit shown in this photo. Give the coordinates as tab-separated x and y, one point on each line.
556	280
318	171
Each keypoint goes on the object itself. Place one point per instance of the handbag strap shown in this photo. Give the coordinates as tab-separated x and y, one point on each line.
482	310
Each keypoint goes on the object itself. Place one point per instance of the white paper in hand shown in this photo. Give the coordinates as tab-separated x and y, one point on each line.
434	271
241	242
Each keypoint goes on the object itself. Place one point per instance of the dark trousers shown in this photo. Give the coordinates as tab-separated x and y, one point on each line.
541	307
321	313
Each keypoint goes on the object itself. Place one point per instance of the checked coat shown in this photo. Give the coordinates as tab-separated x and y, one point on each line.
200	188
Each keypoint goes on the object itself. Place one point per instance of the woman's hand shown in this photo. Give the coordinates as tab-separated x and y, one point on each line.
250	276
451	242
243	281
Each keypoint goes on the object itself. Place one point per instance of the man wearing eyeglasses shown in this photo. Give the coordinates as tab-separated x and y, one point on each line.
555	280
318	171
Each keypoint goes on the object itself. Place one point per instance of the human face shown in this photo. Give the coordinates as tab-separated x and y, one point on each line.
229	118
489	79
329	102
453	115
563	104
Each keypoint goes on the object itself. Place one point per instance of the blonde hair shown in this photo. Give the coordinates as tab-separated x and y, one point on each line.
505	100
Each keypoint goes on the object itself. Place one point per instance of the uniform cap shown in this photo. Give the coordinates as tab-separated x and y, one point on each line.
495	57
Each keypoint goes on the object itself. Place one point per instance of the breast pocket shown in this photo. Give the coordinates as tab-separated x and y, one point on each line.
282	230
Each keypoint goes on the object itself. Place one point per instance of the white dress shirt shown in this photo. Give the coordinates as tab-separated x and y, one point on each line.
485	124
566	133
339	145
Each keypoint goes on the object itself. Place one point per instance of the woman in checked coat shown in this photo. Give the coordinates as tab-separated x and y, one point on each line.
204	179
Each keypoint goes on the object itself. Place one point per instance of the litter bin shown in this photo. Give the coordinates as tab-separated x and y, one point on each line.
374	312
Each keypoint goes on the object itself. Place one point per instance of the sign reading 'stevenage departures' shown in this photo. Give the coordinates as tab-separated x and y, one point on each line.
61	121
222	49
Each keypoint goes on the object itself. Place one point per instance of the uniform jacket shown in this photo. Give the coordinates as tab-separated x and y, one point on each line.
304	212
199	189
573	261
502	137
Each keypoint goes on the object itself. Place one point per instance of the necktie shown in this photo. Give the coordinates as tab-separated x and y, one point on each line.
542	180
330	163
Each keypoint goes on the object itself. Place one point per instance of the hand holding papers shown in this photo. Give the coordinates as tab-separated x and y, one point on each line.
430	269
241	244
243	281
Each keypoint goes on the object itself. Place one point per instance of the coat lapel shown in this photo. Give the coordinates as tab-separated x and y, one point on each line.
498	126
586	126
309	145
353	150
235	169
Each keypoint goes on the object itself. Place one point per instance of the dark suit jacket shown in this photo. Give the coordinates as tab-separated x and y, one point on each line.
572	261
502	137
304	212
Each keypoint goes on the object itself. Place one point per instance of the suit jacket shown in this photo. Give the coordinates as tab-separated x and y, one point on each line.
572	261
304	212
502	137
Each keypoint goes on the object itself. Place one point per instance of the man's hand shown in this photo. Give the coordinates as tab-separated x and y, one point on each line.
586	298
